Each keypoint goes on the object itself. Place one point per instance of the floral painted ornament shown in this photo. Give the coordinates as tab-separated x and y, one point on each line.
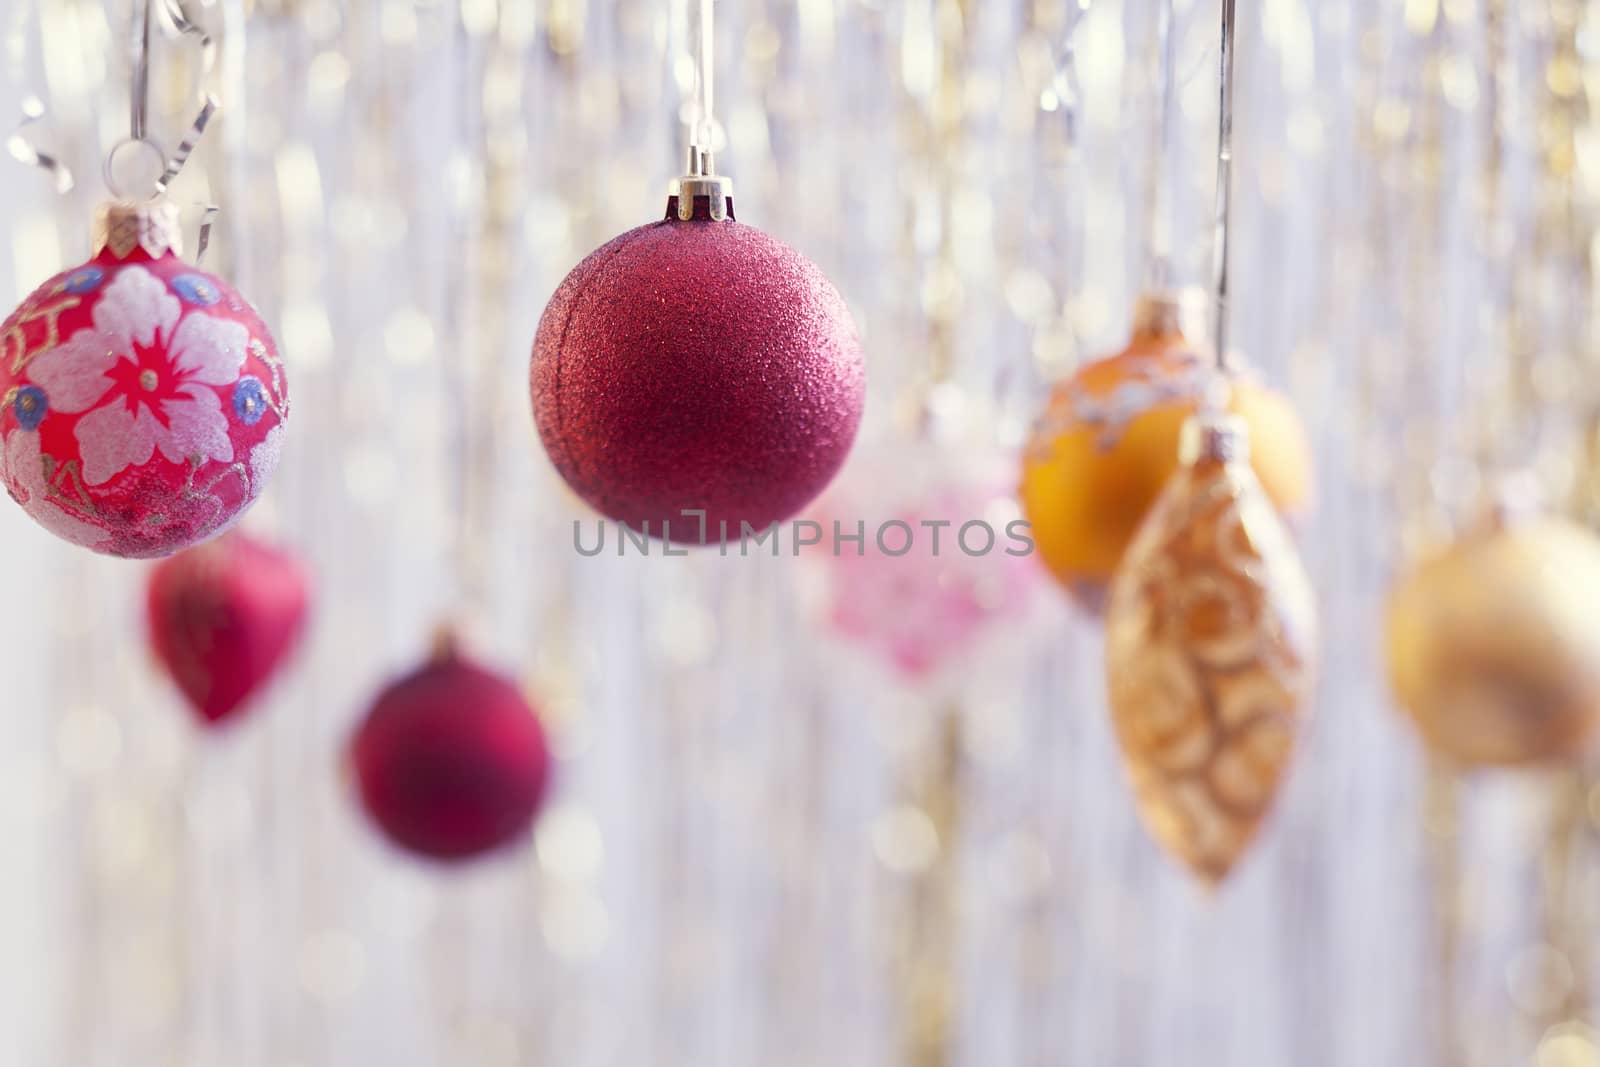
142	400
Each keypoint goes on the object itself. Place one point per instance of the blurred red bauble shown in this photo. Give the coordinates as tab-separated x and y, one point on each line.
224	617
697	364
141	399
451	762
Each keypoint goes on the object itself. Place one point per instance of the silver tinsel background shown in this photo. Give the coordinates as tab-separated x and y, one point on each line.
763	848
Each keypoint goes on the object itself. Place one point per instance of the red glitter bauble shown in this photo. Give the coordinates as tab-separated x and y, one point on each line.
141	399
697	365
451	762
224	617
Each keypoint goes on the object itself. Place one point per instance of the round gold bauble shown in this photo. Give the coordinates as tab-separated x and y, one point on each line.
1493	647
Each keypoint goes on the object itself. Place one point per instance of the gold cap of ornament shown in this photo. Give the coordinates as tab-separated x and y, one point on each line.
1216	437
123	225
1171	311
702	179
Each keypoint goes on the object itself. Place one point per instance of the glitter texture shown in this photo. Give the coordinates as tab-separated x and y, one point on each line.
697	365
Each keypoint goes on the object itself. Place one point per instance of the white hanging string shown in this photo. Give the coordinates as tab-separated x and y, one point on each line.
1219	273
139	93
708	72
706	123
1158	192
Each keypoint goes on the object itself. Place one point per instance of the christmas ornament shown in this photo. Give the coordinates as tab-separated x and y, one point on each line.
697	364
224	617
940	564
696	376
450	761
1108	442
1209	651
1493	651
141	399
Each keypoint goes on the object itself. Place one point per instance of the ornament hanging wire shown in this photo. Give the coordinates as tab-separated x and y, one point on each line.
139	97
1064	88
139	138
700	178
706	124
1224	206
1158	193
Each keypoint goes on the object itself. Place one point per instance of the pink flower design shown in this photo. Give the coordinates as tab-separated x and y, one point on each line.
143	378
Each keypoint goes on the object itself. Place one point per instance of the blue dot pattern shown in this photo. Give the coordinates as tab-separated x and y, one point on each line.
249	400
84	280
31	406
196	290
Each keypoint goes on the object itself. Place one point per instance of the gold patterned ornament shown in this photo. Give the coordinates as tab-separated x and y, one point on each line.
1210	650
1493	651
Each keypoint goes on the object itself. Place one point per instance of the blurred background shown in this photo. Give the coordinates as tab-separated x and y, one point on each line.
770	838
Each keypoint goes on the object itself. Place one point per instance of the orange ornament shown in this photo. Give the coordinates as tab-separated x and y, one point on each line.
1108	442
1210	652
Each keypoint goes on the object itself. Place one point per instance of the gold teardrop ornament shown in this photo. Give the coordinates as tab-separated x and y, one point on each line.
1210	652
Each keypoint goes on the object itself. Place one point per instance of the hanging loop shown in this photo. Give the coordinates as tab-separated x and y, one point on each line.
152	158
178	20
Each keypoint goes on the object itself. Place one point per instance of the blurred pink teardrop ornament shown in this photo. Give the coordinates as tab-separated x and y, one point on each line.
224	617
940	565
1210	653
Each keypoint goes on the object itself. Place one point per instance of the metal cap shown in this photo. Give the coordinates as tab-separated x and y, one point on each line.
1171	311
124	225
1215	437
702	180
